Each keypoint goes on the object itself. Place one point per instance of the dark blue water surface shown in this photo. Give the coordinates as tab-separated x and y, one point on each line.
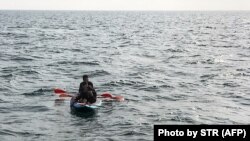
172	68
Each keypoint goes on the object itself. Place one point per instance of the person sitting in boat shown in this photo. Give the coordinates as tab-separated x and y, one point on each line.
87	93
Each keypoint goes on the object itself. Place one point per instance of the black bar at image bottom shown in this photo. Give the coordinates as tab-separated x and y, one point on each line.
202	132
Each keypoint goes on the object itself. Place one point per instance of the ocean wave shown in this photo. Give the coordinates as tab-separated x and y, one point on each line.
97	73
93	63
123	83
155	89
5	110
7	76
206	77
33	108
29	72
90	63
22	43
19	58
18	133
175	50
17	27
230	84
166	86
9	69
38	92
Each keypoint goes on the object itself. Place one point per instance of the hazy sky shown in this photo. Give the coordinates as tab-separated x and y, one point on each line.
126	4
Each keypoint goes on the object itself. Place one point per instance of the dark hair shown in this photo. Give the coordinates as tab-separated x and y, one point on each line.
85	76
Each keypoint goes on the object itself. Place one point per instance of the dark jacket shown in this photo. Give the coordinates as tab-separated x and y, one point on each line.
83	94
90	87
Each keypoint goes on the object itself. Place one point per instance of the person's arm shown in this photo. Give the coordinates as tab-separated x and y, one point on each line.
78	97
94	93
80	88
91	87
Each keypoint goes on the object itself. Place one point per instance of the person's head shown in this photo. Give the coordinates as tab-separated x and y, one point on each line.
85	78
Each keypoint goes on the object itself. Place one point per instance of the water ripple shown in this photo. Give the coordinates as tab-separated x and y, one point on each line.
38	92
